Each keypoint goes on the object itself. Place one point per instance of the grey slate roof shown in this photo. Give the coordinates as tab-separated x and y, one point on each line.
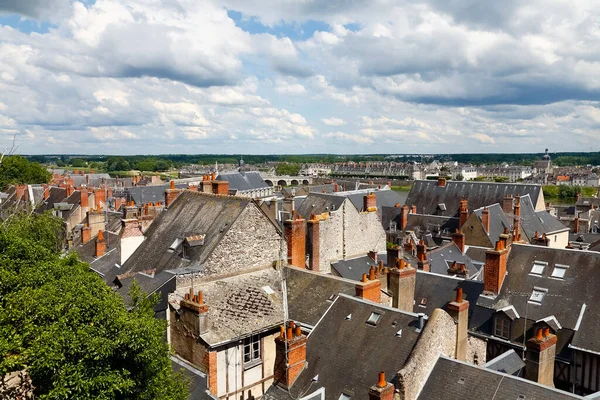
105	265
319	203
196	379
192	213
147	194
354	268
436	291
311	293
426	195
498	221
243	181
540	221
442	258
384	198
476	253
240	305
455	380
347	353
419	222
508	362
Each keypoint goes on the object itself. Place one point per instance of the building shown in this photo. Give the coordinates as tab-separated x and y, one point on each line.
246	184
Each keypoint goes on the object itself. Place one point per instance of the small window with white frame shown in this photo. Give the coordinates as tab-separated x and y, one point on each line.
252	351
538	268
373	318
559	271
537	295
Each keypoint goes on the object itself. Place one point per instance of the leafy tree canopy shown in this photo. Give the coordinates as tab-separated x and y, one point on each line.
287	169
71	332
17	169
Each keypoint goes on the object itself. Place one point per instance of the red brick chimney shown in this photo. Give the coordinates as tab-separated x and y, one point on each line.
485	219
423	263
401	283
370	202
100	244
99	197
290	355
517	216
393	252
576	225
86	234
369	288
84	202
382	390
539	363
220	187
459	311
507	204
46	192
463	212
70	189
171	194
295	235
413	209
373	255
441	182
195	313
495	268
403	217
458	238
313	245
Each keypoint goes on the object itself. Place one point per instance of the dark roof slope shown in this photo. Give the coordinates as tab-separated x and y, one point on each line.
419	222
196	379
442	258
319	203
354	268
243	180
455	380
508	362
498	222
147	194
426	195
537	221
384	198
192	213
435	291
347	353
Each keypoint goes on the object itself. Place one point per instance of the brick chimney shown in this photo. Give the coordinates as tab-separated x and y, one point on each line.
403	217
194	313
100	245
441	182
290	355
86	234
220	187
370	202
206	184
495	268
507	204
576	225
485	219
459	310
459	269
423	263
393	253
463	212
539	363
413	209
46	192
382	390
99	198
540	240
373	255
171	194
295	235
401	283
85	198
313	246
369	288
70	190
517	216
130	211
458	238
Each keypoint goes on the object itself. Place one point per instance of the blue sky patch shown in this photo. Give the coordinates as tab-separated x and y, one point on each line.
295	31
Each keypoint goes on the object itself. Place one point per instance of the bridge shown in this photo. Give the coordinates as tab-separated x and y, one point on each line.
284	180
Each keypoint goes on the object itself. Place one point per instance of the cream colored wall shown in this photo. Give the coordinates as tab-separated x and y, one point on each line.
129	246
559	240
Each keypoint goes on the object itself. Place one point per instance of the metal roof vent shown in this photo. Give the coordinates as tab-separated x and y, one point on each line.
373	318
348	317
462	381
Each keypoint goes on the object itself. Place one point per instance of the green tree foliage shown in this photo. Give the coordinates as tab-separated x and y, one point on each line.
17	169
287	169
460	177
78	163
117	164
71	332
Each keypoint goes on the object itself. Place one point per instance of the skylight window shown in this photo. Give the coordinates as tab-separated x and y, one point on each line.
374	318
559	271
538	267
537	295
176	243
344	396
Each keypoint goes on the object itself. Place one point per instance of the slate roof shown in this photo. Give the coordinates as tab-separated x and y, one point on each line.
243	181
419	222
347	353
147	194
498	221
240	305
442	258
354	268
319	203
384	198
540	221
161	282
426	195
476	253
105	265
455	380
311	293
435	291
192	213
196	379
508	362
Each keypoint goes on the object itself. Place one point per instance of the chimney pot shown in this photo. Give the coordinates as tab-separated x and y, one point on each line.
546	332
382	383
372	274
539	334
298	331
364	278
289	334
172	185
459	295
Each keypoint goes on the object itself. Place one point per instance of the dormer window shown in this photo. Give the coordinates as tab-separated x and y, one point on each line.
502	327
537	295
559	271
538	268
175	245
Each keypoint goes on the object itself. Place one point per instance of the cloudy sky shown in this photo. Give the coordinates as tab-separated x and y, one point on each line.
299	76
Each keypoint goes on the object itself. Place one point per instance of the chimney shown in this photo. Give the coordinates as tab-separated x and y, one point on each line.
485	219
423	263
540	240
295	235
441	182
86	234
463	212
373	255
369	288
46	192
290	355
336	187
382	390
220	187
494	270
403	217
171	194
402	280
393	253
194	313
70	190
576	225
314	243
85	200
507	204
130	211
517	217
459	240
578	197
370	202
539	363
206	185
100	245
413	209
459	310
409	247
99	198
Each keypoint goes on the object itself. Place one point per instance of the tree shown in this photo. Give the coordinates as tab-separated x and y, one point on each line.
78	163
17	170
459	177
69	330
287	169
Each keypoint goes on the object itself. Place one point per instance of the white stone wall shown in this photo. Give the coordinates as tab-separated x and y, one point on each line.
363	232
331	239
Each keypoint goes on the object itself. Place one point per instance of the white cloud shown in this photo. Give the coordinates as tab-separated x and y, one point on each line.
333	121
483	138
285	87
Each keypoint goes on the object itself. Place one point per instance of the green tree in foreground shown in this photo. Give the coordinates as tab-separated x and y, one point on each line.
69	330
16	169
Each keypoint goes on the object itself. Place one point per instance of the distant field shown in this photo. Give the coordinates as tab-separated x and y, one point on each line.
401	188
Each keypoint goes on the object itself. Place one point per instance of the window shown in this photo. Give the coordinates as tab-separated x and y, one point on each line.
374	318
537	295
559	271
538	267
502	329
344	396
251	351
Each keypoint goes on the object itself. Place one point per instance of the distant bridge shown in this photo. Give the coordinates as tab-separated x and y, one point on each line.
284	180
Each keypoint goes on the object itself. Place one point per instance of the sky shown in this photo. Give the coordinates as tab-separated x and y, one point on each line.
299	76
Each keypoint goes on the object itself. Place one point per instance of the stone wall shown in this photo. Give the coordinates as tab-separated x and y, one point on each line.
476	351
185	344
363	232
331	239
